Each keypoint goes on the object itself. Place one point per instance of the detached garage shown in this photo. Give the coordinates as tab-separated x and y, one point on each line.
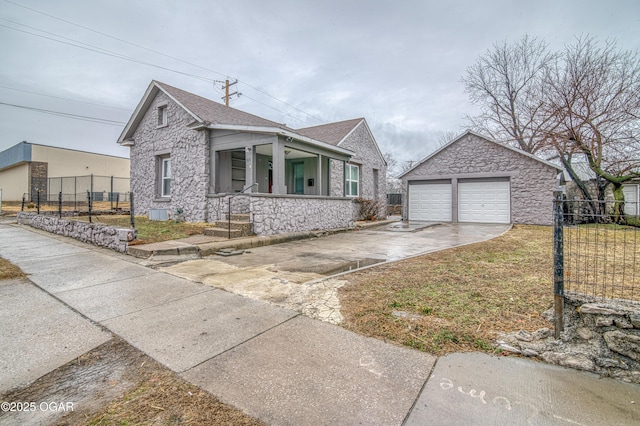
475	179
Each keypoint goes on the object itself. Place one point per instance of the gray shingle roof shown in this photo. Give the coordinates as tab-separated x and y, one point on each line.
212	112
331	133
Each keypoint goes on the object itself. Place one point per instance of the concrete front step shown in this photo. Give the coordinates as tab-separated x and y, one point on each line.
241	217
238	229
224	232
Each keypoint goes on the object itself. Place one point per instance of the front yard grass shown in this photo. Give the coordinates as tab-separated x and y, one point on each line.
459	299
153	231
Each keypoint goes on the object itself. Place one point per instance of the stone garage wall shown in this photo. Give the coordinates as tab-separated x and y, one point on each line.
603	338
94	233
471	156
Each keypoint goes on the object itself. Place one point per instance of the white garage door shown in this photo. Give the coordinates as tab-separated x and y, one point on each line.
484	202
430	202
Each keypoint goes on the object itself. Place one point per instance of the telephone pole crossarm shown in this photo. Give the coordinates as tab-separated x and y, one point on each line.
227	95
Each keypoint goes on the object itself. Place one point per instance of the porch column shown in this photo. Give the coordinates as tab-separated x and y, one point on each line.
249	171
278	164
320	176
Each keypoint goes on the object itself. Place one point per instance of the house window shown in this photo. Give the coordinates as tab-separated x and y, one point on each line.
162	116
165	177
352	180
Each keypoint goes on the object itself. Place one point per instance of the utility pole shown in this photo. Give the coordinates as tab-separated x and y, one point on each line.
227	95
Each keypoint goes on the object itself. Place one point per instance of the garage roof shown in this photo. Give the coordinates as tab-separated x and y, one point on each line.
470	132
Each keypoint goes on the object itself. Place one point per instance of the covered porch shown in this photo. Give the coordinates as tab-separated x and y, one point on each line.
278	164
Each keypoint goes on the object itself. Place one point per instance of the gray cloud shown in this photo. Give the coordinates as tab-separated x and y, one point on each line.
396	63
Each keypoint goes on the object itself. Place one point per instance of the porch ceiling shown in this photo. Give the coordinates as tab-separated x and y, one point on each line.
289	153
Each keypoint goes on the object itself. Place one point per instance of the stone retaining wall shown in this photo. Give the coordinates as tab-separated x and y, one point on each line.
603	338
272	214
94	233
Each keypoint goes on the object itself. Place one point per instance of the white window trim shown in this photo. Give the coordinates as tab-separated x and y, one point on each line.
163	162
348	180
163	115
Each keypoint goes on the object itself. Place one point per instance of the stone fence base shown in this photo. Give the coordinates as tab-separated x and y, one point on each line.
603	338
95	233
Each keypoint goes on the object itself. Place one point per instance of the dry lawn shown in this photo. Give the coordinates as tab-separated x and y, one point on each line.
161	397
153	231
603	260
116	384
9	270
13	207
148	231
459	299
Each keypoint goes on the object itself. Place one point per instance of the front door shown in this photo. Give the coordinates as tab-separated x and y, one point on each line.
298	178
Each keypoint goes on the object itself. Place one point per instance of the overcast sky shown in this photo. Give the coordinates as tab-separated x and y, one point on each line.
300	62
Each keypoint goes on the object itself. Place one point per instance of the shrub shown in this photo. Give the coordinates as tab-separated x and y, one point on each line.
370	209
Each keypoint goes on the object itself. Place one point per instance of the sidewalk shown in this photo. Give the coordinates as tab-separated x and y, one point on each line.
272	363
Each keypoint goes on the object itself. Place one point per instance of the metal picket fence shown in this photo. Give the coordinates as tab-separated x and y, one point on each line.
596	252
74	189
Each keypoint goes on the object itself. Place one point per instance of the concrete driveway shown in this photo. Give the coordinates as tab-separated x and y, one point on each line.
304	275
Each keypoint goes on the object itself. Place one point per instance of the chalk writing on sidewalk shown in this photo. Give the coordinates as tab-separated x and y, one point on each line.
369	363
447	384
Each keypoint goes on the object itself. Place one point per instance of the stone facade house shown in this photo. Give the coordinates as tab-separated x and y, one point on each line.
475	179
193	156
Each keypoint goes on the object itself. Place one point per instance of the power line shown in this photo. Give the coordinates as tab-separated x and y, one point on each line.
102	51
168	56
269	106
65	99
280	100
68	115
112	37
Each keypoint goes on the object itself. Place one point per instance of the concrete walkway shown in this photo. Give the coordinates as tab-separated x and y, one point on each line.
272	363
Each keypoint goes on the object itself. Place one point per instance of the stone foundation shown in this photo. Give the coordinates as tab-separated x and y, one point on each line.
95	233
600	337
272	214
276	214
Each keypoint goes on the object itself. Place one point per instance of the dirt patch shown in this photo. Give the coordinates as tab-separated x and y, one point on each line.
117	384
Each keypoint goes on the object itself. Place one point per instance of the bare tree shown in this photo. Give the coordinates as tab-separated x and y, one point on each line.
394	185
505	82
447	137
592	98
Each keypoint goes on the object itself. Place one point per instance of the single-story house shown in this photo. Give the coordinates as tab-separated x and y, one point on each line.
27	168
193	156
476	179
